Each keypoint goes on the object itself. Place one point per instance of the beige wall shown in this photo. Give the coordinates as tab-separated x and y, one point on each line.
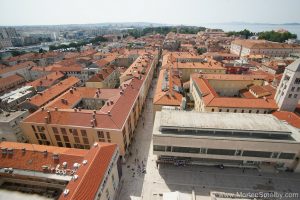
233	144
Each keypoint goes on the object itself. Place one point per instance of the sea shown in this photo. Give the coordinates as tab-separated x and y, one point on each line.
295	29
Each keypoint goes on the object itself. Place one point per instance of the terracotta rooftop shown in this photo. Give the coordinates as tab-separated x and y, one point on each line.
17	67
212	99
71	68
263	44
4	82
47	80
290	117
165	94
44	97
31	157
112	115
102	75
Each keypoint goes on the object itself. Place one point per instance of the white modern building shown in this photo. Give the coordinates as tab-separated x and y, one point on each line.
229	139
9	126
12	99
288	91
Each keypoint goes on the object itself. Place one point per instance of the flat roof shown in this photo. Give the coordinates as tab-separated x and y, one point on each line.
16	94
223	121
9	116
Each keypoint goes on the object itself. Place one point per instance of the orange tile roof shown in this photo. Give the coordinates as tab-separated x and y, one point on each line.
212	99
290	117
170	96
49	94
47	80
13	79
71	68
102	75
72	96
119	109
263	44
90	175
17	66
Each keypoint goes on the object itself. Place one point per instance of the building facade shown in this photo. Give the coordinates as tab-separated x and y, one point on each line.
288	91
215	138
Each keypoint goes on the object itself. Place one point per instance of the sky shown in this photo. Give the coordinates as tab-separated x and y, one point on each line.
186	12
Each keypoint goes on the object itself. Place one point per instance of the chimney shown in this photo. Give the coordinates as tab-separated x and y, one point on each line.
92	123
108	113
46	120
56	109
75	109
79	108
71	90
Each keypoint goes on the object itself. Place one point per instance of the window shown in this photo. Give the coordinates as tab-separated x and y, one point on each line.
68	145
275	155
265	112
293	88
186	150
83	133
287	156
169	149
257	111
295	95
37	136
43	136
242	111
261	154
159	148
76	139
33	128
60	144
286	78
101	134
220	110
221	152
108	135
227	110
212	110
298	89
66	138
290	95
250	111
40	128
75	132
297	81
85	140
63	131
101	140
54	129
57	137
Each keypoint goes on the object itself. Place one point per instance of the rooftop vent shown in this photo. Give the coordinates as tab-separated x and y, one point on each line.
65	164
75	177
95	144
66	192
84	162
76	165
55	156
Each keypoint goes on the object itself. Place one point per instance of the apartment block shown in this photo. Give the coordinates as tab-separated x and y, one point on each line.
61	173
229	139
